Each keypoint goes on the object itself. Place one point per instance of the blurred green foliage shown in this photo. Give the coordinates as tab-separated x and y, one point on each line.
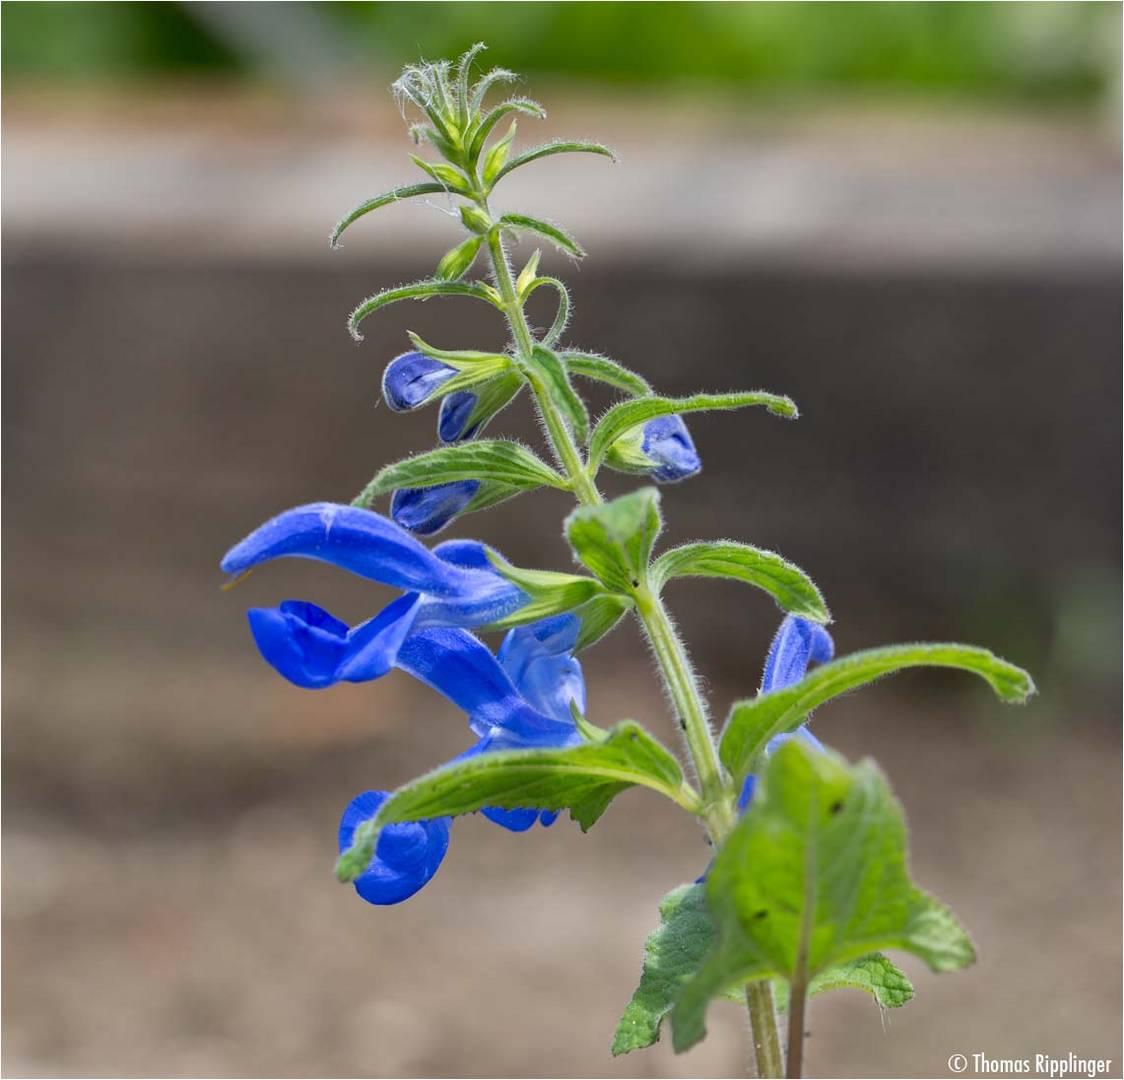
1009	50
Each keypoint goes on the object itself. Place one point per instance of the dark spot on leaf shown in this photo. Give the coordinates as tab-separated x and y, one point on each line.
836	806
760	914
635	583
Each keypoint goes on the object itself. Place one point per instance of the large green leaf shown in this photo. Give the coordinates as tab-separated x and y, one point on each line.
755	721
672	954
874	974
397	195
497	460
792	589
583	779
812	877
628	414
615	539
686	934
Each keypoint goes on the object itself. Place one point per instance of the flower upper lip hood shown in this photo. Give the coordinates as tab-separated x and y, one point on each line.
798	643
456	582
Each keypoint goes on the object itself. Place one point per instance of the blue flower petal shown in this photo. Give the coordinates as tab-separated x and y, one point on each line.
519	820
411	378
460	667
539	660
361	541
313	649
667	444
797	643
427	510
452	420
374	547
406	856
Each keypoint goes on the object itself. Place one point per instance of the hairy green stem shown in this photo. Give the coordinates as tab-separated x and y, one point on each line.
674	664
762	1020
682	686
562	442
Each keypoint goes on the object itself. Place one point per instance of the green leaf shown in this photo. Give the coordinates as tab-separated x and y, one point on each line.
497	155
450	178
874	974
561	392
599	616
615	539
419	290
498	460
755	721
562	316
812	877
558	147
672	954
527	274
458	261
551	593
602	369
676	949
557	236
628	414
461	359
520	105
397	195
792	589
583	779
486	82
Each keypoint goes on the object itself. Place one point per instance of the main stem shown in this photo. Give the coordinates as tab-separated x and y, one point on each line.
762	1020
674	663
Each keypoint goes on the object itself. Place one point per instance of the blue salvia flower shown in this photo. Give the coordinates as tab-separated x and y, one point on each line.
427	510
666	442
412	378
797	644
520	700
406	856
453	585
456	411
661	448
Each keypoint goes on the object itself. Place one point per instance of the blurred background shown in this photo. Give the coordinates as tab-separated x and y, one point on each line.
905	215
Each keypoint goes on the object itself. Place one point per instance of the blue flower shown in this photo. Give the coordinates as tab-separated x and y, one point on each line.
406	856
500	698
412	378
456	411
426	510
453	585
666	442
661	448
797	644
